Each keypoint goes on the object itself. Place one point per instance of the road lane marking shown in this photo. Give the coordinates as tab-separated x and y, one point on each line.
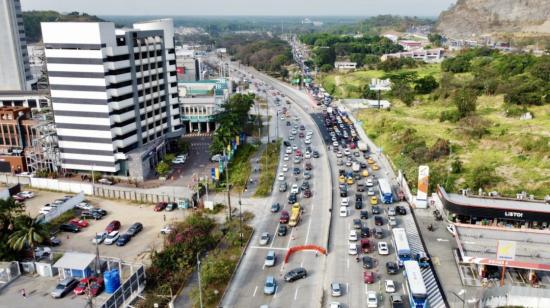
347	259
276	289
296	293
366	288
269	248
255	290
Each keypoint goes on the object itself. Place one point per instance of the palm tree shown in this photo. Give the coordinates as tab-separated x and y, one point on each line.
30	233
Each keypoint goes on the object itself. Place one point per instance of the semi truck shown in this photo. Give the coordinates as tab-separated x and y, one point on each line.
295	214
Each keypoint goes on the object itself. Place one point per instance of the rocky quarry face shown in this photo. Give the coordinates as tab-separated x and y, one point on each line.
470	18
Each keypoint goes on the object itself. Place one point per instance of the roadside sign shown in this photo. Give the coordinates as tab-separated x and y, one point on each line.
506	250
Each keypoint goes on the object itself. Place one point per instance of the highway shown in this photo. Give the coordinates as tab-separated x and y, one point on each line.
247	287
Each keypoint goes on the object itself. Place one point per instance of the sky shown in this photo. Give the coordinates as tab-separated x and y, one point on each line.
243	7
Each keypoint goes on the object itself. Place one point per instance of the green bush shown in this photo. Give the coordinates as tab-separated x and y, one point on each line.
481	176
449	115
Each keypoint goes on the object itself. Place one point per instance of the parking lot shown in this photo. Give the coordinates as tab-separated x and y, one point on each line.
125	212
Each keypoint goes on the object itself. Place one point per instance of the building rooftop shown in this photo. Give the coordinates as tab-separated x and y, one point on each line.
499	203
75	260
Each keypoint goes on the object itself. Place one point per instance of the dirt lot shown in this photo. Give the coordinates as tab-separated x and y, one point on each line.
127	213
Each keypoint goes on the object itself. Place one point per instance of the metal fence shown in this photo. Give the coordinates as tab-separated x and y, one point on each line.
133	195
128	291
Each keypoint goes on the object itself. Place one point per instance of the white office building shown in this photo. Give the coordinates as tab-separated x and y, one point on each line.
114	94
15	72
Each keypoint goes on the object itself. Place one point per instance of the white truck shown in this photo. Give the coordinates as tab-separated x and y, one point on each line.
362	146
355	167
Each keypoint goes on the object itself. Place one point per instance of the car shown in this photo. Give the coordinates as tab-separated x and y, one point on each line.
26	194
391	267
112	226
335	144
334	305
112	237
270	259
307	155
315	154
171	206
369	277
335	289
400	210
358	204
349	180
352	235
79	223
82	286
281	177
365	231
166	229
389	286
307	193
178	161
308	166
343	211
347	151
105	182
364	214
383	248
275	207
370	161
298	153
378	220
285	168
357	224
370	192
123	239
392	221
100	211
344	201
283	187
368	262
305	185
294	147
295	274
378	233
96	286
348	163
42	252
369	183
281	231
294	189
339	162
375	167
292	198
69	228
270	286
286	143
372	299
352	249
286	157
91	214
375	210
134	229
373	200
297	160
288	150
396	301
339	154
264	239
307	175
64	287
391	211
160	206
283	219
84	206
99	237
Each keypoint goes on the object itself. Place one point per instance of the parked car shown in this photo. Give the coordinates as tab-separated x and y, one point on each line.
376	210
270	259
283	187
352	250
368	262
123	239
391	267
383	248
389	286
264	239
99	237
69	228
400	210
368	277
270	286
160	206
89	284
135	229
295	274
378	220
96	287
112	237
91	214
26	194
166	229
112	226
171	206
84	206
364	214
284	217
64	287
79	223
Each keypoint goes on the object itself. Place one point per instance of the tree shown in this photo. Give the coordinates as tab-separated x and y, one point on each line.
367	93
458	64
481	176
465	101
162	168
425	85
325	68
324	55
436	39
30	233
404	92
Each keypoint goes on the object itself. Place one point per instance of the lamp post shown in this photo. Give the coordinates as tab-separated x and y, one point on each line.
240	220
461	296
199	275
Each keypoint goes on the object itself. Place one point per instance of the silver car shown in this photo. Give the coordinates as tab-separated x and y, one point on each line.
64	287
270	285
264	239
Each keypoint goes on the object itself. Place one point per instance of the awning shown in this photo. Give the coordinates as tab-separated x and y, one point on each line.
75	260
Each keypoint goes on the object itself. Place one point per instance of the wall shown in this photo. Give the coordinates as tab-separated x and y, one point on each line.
67	205
54	184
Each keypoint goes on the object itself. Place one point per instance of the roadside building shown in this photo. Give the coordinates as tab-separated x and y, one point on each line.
114	94
410	45
426	55
16	137
201	101
345	65
514	296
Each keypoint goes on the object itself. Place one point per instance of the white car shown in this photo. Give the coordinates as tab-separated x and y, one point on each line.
294	189
307	141
372	300
335	143
347	152
288	150
343	211
286	157
352	235
26	194
295	147
270	259
392	221
291	137
281	176
352	249
335	305
369	183
111	238
84	206
370	192
390	286
383	248
294	132
182	156
285	168
178	161
344	202
166	230
264	239
307	155
339	154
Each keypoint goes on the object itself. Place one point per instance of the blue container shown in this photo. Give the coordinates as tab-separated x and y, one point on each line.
112	281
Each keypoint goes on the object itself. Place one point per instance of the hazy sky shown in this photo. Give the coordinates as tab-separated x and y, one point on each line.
243	7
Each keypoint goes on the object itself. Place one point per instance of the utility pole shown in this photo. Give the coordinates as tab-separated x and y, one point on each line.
240	220
199	275
277	121
228	189
267	117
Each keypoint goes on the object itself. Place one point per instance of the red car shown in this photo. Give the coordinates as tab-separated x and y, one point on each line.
160	206
307	193
94	284
298	153
368	277
112	226
284	217
79	222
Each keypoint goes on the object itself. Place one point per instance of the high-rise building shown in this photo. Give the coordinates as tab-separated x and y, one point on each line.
114	94
15	73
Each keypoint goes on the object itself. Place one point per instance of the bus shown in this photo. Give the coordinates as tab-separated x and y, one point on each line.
386	194
416	289
401	244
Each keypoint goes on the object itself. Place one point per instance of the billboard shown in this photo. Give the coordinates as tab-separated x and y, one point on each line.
506	250
423	180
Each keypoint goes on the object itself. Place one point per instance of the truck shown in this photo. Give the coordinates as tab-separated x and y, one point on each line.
295	214
362	146
329	110
355	167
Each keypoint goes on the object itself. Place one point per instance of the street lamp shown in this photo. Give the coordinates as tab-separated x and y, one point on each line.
240	220
199	276
461	296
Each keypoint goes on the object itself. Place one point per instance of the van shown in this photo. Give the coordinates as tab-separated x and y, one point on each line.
343	211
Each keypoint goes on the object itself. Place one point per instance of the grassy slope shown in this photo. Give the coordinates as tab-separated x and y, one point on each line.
503	149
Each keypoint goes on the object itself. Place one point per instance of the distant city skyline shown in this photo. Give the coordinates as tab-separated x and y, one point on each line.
244	7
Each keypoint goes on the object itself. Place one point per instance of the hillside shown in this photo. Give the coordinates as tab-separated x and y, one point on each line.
478	17
32	20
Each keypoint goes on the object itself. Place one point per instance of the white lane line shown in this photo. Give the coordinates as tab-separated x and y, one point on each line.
347	259
255	290
269	248
276	289
296	293
289	238
366	288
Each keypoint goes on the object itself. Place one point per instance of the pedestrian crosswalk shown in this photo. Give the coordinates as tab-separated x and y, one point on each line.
435	297
198	134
